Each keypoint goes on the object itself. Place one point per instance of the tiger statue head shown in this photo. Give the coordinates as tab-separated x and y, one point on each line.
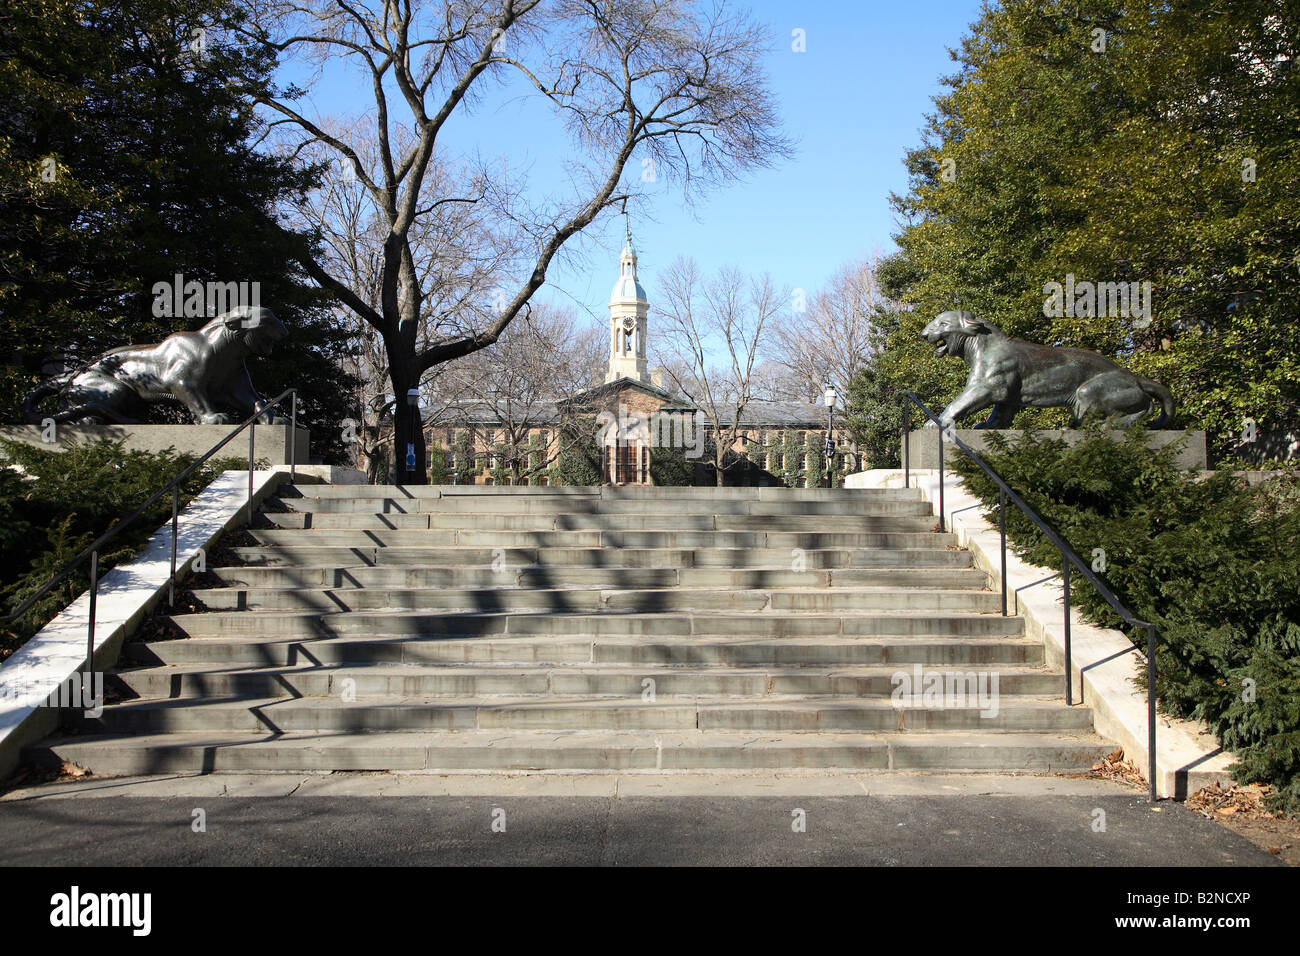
951	332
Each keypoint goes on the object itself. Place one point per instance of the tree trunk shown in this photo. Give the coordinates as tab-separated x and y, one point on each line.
408	430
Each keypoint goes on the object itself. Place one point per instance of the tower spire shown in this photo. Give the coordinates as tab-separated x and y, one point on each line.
627	318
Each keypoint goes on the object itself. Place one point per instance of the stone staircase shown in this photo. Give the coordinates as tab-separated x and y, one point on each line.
573	629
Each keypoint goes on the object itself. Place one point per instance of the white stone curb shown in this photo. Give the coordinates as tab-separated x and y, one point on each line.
1104	661
127	594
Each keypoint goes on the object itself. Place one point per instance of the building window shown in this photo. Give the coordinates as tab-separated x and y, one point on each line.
627	463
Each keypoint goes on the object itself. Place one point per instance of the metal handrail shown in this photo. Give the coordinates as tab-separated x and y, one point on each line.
1068	560
91	551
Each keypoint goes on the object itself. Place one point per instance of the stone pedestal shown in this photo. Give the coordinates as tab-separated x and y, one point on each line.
270	442
923	443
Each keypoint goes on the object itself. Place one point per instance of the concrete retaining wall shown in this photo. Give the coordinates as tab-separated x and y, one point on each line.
270	442
923	443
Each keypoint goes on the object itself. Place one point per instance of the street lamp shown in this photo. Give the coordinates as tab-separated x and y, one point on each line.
830	433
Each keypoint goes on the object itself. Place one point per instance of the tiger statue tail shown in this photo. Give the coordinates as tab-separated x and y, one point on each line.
51	386
1160	394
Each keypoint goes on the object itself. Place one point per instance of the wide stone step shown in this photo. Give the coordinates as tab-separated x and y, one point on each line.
471	628
372	521
300	554
630	492
384	576
465	507
604	539
569	600
985	714
598	752
467	680
520	505
717	651
287	624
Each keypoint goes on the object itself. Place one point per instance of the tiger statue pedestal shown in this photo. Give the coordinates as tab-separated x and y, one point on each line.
923	443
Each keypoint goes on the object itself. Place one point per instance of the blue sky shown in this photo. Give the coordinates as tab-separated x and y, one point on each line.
854	102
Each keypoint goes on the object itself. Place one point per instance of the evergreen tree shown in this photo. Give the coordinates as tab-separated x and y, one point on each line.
126	158
1143	142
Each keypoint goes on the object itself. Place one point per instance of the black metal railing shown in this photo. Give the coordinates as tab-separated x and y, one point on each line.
92	550
1069	560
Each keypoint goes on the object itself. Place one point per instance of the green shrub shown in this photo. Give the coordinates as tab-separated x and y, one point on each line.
579	461
670	467
790	466
437	464
1213	563
61	501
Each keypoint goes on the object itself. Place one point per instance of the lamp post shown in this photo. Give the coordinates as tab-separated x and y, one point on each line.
830	432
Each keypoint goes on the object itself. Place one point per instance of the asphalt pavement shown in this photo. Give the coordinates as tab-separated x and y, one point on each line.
1027	822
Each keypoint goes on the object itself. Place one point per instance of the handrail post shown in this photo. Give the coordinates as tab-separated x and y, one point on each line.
251	428
1066	574
293	437
907	434
1151	710
171	580
90	627
941	524
1002	528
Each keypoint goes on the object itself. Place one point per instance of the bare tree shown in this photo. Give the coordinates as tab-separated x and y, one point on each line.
457	258
676	82
832	339
514	389
774	382
729	314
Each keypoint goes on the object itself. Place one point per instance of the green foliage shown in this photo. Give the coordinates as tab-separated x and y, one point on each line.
126	158
790	449
1169	158
464	472
437	464
669	466
579	462
814	472
874	414
61	501
1212	563
500	469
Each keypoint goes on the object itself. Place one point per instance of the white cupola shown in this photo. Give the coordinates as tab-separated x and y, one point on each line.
628	308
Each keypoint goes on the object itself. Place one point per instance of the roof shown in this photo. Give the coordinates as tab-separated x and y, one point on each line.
756	414
766	414
594	394
628	287
473	411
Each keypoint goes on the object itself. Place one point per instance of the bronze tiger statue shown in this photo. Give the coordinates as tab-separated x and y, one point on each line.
1007	375
202	370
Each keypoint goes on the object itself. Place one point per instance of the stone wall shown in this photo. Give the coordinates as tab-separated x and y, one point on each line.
923	443
270	442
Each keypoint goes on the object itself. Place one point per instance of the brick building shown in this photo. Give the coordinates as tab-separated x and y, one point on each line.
634	416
